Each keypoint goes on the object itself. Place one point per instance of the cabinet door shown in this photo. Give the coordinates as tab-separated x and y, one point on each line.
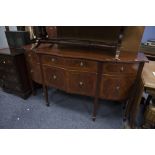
55	77
35	73
116	87
32	57
82	83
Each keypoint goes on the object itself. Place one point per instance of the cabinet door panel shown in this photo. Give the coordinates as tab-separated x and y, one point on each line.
116	87
35	73
82	83
55	77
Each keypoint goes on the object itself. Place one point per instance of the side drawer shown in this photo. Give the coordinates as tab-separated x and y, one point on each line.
55	77
120	68
82	83
116	87
52	61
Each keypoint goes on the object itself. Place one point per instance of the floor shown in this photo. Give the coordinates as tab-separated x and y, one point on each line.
66	111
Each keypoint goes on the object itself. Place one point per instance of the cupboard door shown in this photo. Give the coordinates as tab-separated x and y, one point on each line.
54	77
116	87
82	83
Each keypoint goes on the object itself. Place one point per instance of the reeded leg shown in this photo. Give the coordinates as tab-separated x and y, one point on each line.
33	89
95	108
125	114
125	110
46	95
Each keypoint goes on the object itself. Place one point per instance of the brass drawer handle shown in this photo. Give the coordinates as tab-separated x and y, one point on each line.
81	64
53	60
31	71
54	77
122	69
81	83
117	88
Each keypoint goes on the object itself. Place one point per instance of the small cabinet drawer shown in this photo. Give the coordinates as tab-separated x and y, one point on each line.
116	88
6	61
54	77
52	60
12	86
1	82
1	73
82	83
80	64
118	68
11	78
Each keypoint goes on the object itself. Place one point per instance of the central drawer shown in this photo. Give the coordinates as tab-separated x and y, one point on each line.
80	64
82	83
55	77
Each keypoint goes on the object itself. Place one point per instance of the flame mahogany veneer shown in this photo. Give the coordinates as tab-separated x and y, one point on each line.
86	72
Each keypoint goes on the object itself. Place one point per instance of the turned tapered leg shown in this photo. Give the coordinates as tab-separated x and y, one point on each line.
32	88
95	108
45	88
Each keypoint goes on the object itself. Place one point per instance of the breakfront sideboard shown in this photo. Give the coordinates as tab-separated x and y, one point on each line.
96	73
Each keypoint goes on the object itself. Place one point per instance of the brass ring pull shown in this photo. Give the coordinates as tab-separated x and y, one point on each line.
54	77
117	88
122	68
52	59
81	83
81	64
31	71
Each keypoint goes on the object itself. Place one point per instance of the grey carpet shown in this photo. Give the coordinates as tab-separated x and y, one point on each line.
66	111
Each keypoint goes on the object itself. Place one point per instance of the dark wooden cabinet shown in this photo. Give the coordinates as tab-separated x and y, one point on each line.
13	73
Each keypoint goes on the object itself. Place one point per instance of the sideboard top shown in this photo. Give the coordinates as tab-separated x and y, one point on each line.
90	54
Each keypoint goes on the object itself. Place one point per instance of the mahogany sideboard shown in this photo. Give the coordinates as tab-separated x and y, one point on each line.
87	72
